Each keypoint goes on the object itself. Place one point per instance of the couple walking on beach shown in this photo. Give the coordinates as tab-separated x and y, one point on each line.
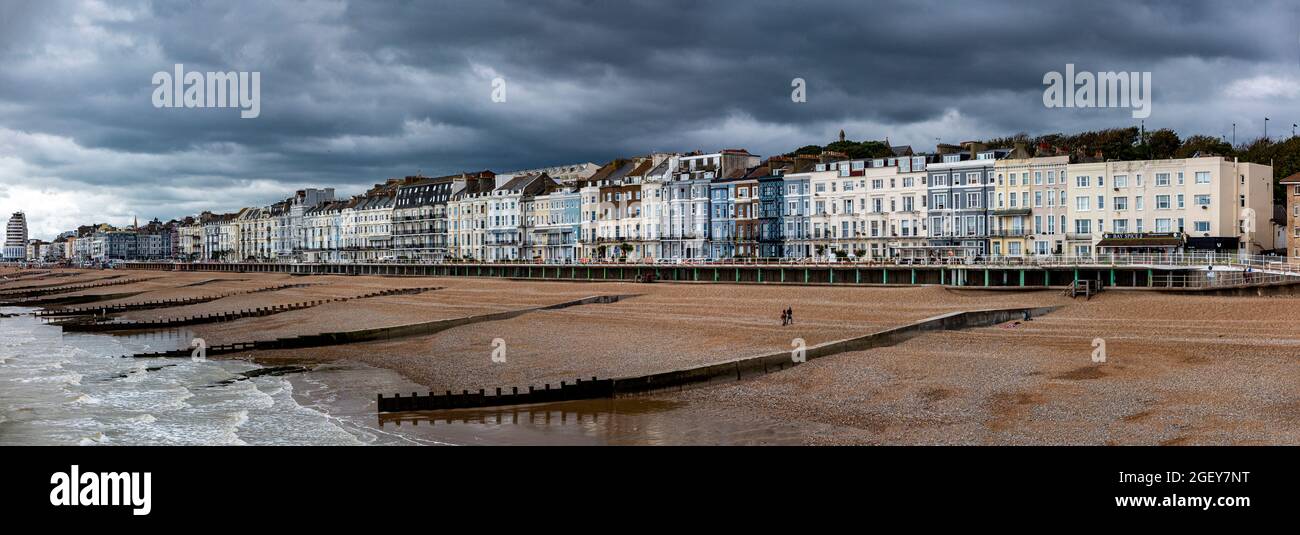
787	316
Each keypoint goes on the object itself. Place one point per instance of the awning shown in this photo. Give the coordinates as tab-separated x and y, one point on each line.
1140	242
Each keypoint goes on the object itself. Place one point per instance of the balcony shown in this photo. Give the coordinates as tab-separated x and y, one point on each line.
1012	211
1010	233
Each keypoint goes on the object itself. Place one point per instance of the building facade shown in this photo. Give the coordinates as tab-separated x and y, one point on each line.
1029	205
1206	204
15	249
1291	188
961	188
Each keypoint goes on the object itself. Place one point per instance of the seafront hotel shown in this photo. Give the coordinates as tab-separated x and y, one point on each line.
958	204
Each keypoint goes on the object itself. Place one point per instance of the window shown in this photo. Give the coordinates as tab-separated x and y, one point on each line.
1038	178
1081	203
1101	202
972	200
1138	202
1202	177
1082	181
1083	226
1162	202
1121	181
1180	201
1163	225
1202	226
1120	203
1162	179
1120	225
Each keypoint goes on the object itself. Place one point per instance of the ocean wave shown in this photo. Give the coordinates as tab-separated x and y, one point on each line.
72	378
142	419
136	374
87	399
93	440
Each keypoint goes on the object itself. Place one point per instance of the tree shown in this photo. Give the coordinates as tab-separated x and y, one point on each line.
1205	145
812	150
1163	144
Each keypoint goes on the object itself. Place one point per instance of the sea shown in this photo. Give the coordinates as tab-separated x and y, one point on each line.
68	388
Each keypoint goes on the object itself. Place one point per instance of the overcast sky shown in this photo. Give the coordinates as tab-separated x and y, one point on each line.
356	92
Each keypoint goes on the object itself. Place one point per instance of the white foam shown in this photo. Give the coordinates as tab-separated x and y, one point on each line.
87	399
142	419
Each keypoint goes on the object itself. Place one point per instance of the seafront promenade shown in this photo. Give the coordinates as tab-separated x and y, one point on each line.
1207	273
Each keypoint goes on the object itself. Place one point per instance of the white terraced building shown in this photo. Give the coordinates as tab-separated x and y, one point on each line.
1214	203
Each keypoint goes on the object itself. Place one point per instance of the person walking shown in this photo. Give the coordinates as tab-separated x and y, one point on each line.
789	314
785	318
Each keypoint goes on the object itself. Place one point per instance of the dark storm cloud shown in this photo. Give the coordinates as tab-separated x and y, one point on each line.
354	92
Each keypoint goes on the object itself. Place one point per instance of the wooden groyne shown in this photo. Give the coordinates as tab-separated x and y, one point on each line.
160	303
62	300
731	370
378	333
21	295
228	316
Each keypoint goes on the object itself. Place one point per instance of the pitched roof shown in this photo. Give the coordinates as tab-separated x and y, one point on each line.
518	183
1293	179
613	170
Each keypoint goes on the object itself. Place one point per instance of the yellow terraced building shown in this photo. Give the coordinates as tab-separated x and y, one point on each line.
1028	204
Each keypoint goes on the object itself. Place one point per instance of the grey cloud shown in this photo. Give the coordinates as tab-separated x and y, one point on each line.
354	92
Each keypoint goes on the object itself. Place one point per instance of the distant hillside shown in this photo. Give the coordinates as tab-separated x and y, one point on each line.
1117	144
